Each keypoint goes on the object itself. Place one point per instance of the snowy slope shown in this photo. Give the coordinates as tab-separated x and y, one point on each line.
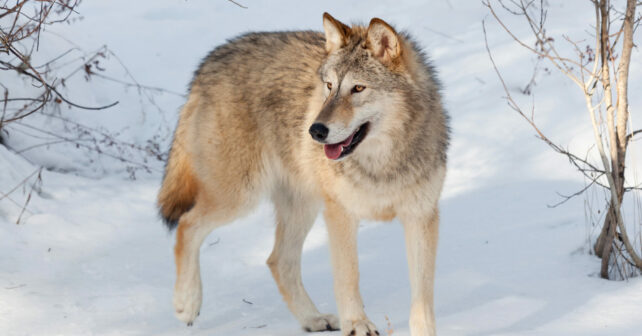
91	257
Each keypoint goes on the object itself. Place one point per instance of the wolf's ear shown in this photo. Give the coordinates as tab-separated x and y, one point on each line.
383	41
336	33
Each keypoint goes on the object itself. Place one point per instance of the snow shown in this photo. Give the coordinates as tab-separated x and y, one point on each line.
90	256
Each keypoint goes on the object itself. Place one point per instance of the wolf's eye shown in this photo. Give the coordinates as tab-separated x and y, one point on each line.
329	85
358	88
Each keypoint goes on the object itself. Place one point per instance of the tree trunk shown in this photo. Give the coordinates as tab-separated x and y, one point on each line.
604	244
609	220
617	130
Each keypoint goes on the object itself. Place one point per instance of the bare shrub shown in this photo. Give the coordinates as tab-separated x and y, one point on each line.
38	102
599	70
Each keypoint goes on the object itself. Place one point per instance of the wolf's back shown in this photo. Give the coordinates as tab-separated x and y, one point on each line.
247	88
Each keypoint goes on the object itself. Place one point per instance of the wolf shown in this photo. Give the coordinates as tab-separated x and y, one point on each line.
349	122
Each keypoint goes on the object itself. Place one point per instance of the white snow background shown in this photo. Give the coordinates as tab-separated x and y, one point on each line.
90	257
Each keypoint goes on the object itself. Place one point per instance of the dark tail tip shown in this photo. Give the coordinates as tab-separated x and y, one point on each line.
171	217
170	223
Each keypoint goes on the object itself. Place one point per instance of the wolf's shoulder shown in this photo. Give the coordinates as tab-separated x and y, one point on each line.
253	51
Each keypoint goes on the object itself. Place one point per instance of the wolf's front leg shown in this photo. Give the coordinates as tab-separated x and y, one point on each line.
295	216
342	234
421	233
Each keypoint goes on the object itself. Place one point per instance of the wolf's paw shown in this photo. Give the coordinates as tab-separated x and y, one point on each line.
321	323
359	328
187	303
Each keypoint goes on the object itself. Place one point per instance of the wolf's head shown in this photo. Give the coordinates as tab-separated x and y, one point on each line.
365	73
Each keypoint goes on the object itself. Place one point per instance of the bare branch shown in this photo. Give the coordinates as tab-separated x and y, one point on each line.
567	198
630	136
5	195
238	4
577	161
556	60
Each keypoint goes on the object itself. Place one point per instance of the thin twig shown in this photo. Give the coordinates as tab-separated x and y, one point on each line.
238	4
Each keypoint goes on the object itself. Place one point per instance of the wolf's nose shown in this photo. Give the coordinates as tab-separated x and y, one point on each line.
318	131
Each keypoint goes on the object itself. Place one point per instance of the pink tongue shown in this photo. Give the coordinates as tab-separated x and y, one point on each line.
334	151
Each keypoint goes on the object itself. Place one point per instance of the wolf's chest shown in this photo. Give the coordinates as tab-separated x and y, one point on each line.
368	203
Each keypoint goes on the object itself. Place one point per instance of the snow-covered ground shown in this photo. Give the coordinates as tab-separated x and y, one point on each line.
90	256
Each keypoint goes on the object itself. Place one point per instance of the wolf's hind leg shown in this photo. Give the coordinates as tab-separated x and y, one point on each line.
194	226
295	215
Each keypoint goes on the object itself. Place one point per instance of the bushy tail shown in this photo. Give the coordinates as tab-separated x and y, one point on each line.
178	192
